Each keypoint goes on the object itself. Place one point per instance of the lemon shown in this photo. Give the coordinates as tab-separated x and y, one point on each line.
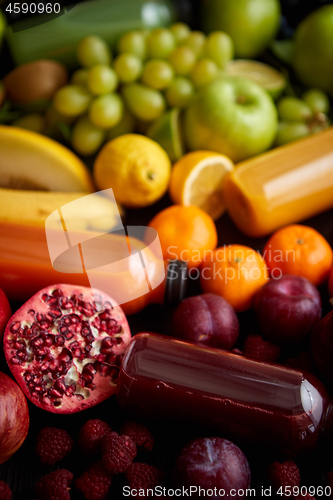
197	179
166	131
135	167
262	74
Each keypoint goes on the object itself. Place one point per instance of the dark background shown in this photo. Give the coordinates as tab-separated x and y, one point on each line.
23	469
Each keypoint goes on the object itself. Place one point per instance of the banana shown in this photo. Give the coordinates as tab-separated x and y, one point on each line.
31	161
34	207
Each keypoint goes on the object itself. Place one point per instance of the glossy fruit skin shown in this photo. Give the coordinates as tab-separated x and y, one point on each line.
60	353
5	312
233	116
185	233
322	346
313	57
299	250
213	462
206	319
236	273
287	309
14	417
252	24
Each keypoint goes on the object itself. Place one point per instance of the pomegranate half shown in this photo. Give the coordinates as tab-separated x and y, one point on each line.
65	345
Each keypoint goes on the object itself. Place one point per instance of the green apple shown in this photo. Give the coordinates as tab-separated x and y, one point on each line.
252	24
233	116
313	51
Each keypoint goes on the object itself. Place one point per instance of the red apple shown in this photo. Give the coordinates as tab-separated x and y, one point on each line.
206	319
322	345
287	308
14	417
5	312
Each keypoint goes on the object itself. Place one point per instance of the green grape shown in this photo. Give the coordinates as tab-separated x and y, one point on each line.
79	77
93	50
196	41
219	47
180	92
157	74
291	131
292	109
106	111
101	79
34	122
125	126
72	100
128	67
183	60
144	102
317	100
180	31
204	72
160	43
86	139
134	43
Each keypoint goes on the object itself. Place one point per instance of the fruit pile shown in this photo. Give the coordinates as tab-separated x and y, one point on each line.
253	308
151	71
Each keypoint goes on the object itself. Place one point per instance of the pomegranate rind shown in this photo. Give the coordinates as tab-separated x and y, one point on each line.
65	345
14	417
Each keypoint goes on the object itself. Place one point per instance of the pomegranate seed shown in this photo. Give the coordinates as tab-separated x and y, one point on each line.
31	312
57	293
59	340
15	327
15	360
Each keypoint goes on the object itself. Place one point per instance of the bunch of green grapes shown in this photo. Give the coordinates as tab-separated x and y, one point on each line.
151	71
302	117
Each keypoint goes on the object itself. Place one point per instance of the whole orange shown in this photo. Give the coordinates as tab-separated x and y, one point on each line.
185	233
235	272
299	250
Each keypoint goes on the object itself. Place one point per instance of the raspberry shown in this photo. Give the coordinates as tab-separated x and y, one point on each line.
256	347
92	434
53	445
143	476
118	452
94	483
285	474
55	485
139	433
5	491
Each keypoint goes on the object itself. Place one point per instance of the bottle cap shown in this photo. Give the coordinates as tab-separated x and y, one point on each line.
175	282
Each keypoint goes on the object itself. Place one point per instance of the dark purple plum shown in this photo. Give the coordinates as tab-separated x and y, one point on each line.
206	319
287	309
211	463
322	346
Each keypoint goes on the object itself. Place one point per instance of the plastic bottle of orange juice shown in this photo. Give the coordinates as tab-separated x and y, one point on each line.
285	185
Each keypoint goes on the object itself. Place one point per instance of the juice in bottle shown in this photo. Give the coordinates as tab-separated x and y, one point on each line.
260	402
284	186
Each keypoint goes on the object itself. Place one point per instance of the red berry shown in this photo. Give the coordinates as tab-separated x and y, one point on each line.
118	452
91	435
55	486
5	491
139	433
256	347
285	474
94	483
53	445
143	476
